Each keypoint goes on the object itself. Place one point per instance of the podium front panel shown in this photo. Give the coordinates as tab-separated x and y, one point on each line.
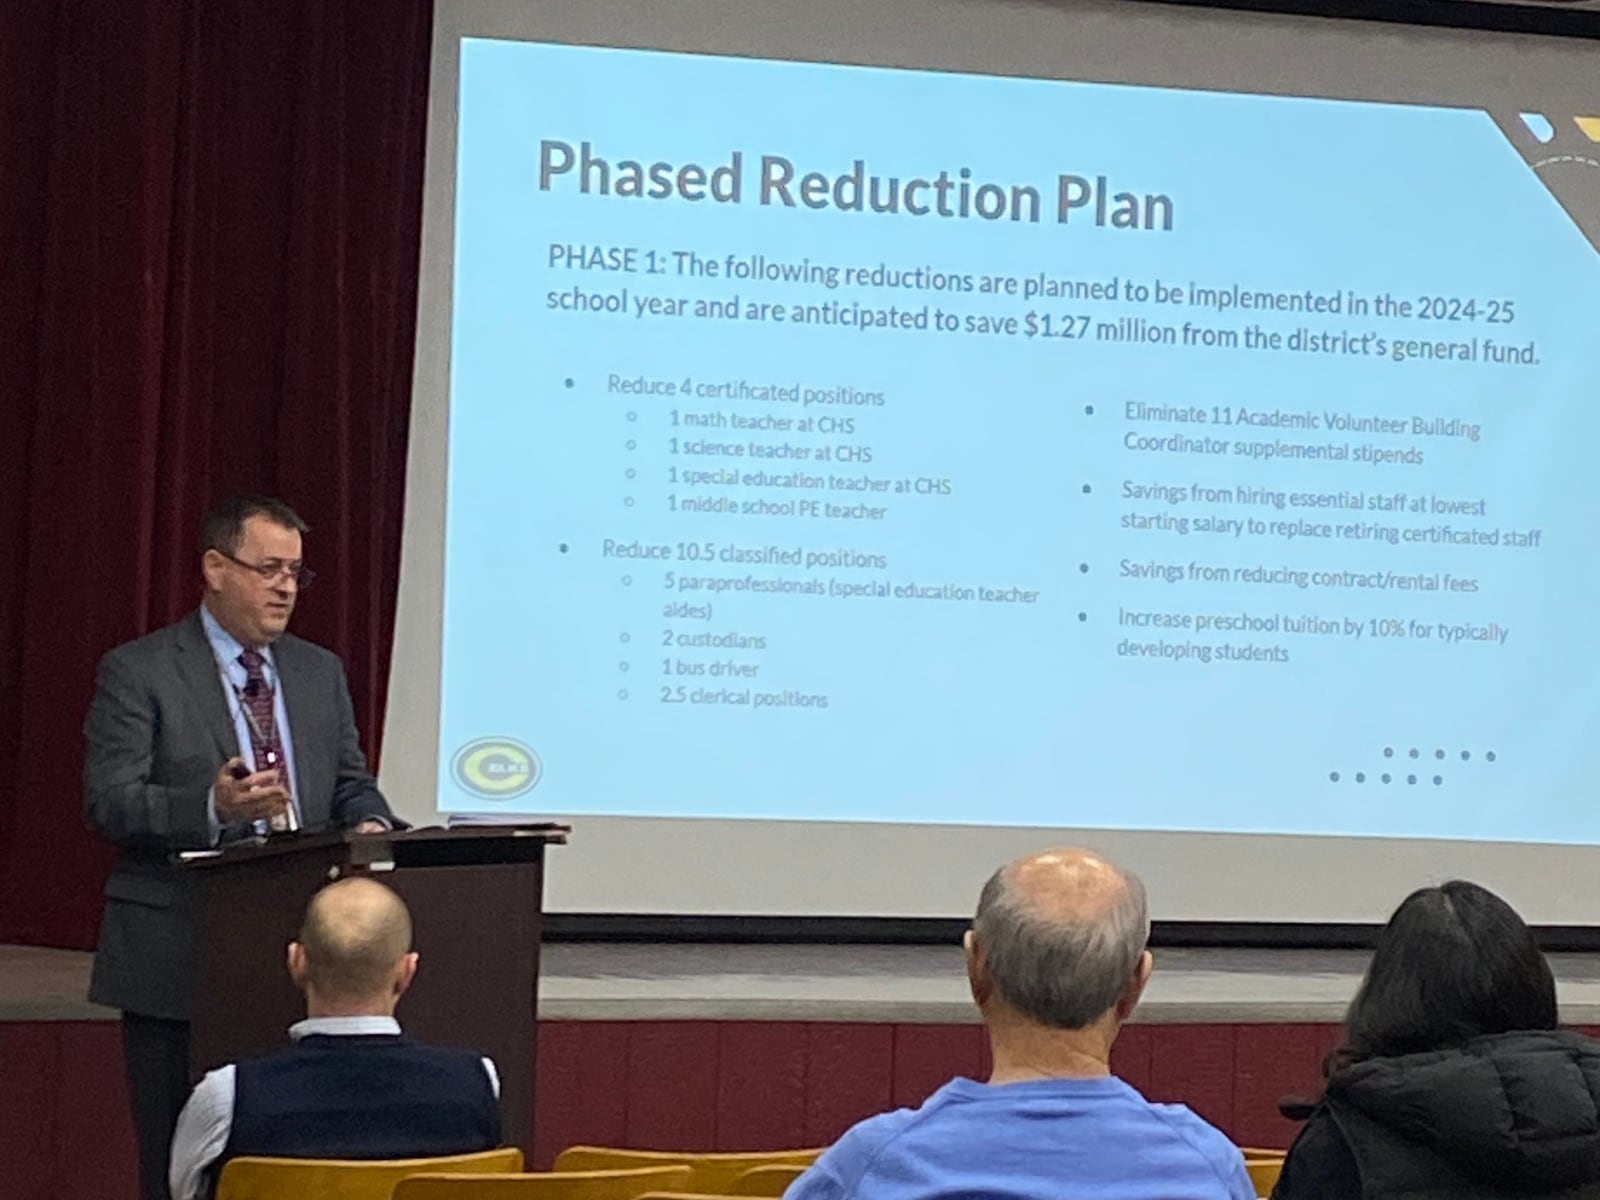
477	985
246	914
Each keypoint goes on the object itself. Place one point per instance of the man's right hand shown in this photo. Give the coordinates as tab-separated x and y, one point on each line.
257	797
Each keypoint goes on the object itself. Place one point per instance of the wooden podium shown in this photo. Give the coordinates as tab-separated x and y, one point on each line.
475	899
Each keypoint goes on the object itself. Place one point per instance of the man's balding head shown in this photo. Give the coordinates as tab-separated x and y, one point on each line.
355	947
1060	938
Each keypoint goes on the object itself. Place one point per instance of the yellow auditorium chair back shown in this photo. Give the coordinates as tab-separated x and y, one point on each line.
545	1185
346	1179
771	1180
711	1172
1264	1166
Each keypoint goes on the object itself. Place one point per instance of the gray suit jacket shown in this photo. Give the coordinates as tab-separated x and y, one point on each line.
157	731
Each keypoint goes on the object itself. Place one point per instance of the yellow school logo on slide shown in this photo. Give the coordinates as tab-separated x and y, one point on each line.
498	768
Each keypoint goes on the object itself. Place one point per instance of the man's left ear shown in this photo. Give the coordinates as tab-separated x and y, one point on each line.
295	959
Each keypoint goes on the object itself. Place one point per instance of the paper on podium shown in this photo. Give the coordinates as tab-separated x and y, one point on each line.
494	820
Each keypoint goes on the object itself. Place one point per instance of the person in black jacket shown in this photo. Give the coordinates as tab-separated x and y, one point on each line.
1453	1078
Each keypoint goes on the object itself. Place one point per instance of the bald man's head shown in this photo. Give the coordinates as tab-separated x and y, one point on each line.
355	943
1061	936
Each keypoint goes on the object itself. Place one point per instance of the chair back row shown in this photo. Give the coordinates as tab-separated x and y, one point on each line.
549	1185
581	1173
711	1172
347	1179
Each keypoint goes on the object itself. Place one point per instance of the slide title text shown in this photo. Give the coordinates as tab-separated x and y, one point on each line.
1083	200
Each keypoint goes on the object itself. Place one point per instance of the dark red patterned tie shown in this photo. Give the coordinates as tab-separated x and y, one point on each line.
263	723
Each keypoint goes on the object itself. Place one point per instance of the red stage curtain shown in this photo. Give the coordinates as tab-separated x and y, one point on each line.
209	221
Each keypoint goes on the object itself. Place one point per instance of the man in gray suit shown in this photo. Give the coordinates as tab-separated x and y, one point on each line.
218	728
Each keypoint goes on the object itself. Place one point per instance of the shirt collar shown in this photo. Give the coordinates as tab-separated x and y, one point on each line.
225	646
1054	1085
345	1027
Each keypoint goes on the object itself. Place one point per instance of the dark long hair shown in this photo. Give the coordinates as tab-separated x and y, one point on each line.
1455	962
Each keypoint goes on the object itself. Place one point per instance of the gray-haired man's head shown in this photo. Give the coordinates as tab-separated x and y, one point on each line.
1060	939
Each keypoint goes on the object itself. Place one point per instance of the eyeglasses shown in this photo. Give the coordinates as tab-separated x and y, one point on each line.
274	569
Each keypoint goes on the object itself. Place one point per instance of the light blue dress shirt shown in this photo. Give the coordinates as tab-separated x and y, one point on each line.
225	648
1087	1139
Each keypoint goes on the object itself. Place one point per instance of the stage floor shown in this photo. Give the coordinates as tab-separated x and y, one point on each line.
900	984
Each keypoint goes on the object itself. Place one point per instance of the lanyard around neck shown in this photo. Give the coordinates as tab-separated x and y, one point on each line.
245	709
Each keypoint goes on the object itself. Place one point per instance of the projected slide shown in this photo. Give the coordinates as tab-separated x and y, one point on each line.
844	443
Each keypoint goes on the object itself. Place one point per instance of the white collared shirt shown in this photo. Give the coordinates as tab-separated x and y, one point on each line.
206	1122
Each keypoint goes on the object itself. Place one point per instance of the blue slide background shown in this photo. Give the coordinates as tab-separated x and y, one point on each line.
1013	714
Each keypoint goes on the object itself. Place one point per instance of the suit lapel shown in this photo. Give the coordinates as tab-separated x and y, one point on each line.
198	667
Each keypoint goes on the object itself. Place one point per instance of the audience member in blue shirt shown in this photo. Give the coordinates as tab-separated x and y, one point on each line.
1057	962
